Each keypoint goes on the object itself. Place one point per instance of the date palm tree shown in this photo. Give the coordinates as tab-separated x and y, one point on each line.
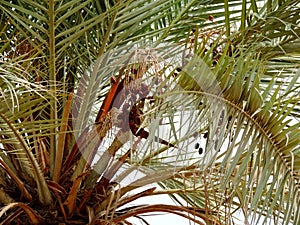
100	99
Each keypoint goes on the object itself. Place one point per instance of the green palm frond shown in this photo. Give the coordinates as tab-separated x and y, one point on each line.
258	140
18	127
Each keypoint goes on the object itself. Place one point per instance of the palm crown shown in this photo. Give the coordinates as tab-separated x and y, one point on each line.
82	77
